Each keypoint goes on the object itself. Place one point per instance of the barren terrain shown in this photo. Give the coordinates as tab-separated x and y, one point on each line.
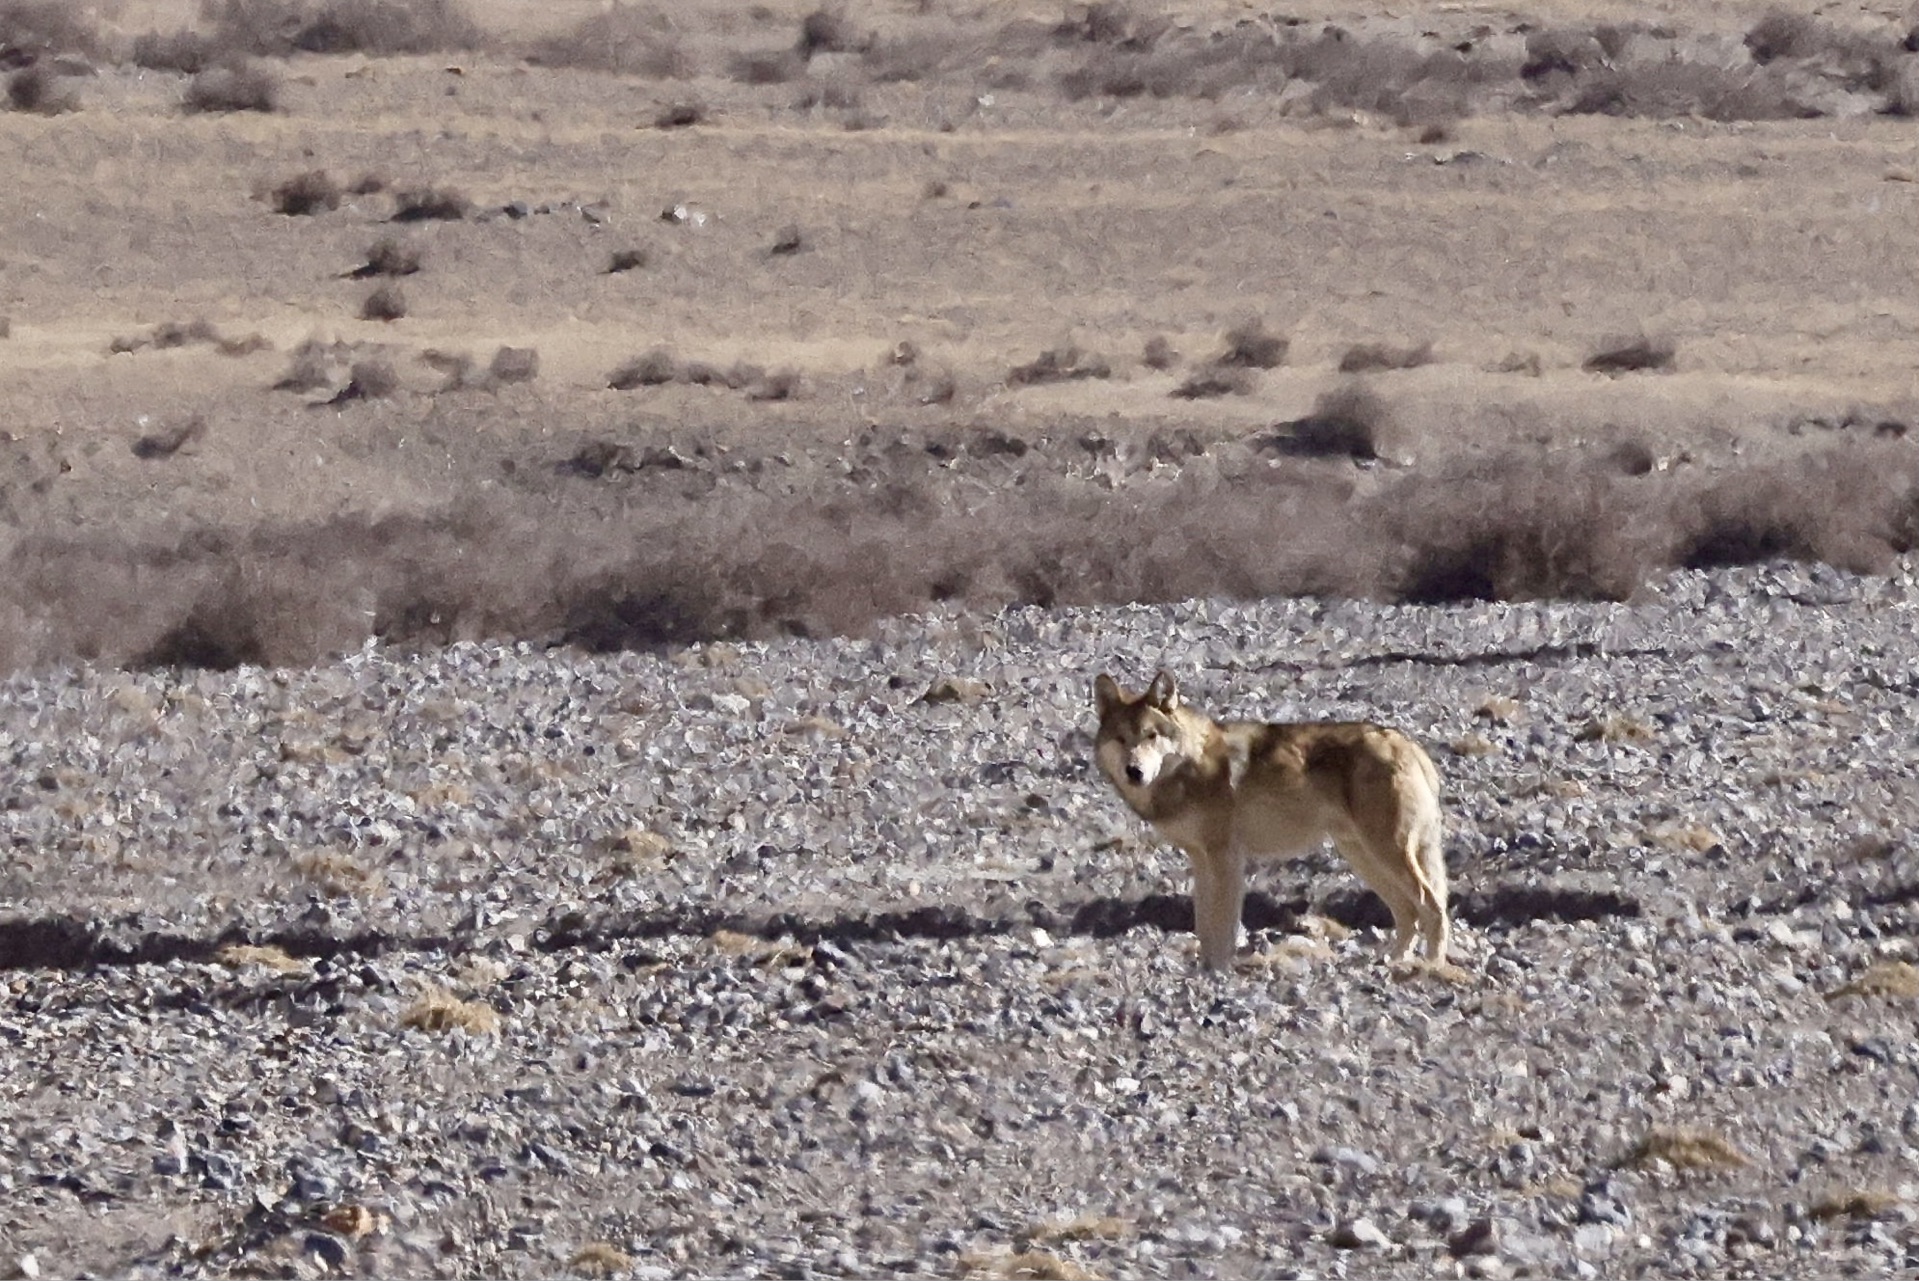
610	513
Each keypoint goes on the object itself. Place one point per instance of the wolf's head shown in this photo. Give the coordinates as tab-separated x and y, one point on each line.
1141	736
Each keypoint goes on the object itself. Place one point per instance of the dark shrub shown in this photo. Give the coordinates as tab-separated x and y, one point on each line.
514	365
308	193
236	87
1368	357
37	89
654	369
1631	355
1249	346
388	302
426	204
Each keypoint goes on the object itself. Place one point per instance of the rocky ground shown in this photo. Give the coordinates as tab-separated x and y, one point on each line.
822	958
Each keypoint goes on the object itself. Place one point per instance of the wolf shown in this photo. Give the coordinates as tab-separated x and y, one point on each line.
1231	792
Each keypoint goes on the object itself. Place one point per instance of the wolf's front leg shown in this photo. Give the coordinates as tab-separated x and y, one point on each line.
1219	894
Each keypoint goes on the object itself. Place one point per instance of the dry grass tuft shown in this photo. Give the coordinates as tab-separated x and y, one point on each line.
1855	1203
600	1259
1687	1148
239	86
353	1221
1632	355
1368	357
1059	364
239	955
387	302
338	874
1025	1265
1895	980
308	193
1419	969
438	1010
1084	1227
1615	727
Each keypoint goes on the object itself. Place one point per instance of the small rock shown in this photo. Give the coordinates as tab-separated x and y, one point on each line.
1481	1236
1593	1240
1359	1234
328	1249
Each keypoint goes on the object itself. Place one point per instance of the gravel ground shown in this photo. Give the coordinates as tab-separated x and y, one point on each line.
823	958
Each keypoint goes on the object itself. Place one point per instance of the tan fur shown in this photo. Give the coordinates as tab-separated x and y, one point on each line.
1230	793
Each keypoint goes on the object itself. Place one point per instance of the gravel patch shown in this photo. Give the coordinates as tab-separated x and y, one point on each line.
835	957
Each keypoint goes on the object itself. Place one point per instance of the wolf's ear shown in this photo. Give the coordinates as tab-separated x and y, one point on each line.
1107	694
1163	693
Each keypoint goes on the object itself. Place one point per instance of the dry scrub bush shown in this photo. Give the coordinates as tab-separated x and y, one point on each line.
766	66
235	87
311	367
666	547
625	260
1158	353
1204	384
308	193
387	302
1851	506
1348	421
37	89
829	31
1059	364
1370	357
626	39
280	28
186	51
1249	346
368	380
1518	531
654	369
426	204
388	257
678	115
1632	355
31	29
513	365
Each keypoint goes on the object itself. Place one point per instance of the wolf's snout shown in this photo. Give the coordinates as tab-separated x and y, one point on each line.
1134	774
